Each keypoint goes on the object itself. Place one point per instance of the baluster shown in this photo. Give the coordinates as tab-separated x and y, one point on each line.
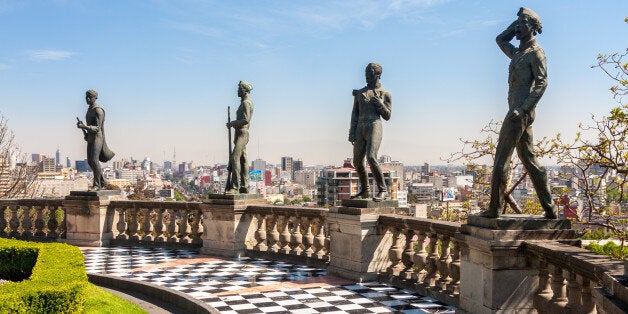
53	223
297	238
408	253
122	224
3	221
544	291
443	262
573	291
308	238
285	236
420	258
147	225
64	227
274	235
327	242
558	287
454	269
133	225
319	240
159	226
395	253
40	224
14	222
260	233
196	227
27	223
172	225
432	271
184	227
588	306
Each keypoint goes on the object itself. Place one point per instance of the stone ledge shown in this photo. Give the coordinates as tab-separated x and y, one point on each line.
167	295
369	203
518	222
234	197
358	211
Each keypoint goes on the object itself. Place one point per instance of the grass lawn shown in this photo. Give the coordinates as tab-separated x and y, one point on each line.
102	301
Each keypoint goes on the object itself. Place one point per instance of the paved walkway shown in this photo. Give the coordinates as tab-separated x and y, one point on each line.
252	285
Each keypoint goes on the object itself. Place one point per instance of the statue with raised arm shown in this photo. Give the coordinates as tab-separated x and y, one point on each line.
370	103
238	164
94	134
527	81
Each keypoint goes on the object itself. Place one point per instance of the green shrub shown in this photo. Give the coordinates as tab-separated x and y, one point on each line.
609	249
17	262
597	234
57	283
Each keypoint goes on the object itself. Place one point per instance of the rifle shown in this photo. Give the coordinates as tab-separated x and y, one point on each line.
228	184
84	132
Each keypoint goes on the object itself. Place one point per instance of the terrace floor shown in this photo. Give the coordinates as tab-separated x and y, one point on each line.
253	285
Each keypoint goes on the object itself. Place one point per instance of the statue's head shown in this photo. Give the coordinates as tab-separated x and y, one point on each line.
244	88
373	73
91	96
529	24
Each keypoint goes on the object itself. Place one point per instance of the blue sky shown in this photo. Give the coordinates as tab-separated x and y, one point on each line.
167	70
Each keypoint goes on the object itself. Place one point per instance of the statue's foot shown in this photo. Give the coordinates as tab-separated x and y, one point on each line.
381	195
362	195
231	191
244	190
489	214
551	215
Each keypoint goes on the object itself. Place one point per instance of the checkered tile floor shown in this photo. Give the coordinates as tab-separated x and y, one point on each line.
248	285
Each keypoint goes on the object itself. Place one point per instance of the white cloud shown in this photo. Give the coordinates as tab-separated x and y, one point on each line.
49	55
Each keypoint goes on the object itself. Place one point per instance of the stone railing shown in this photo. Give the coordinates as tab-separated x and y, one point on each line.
289	232
424	256
155	223
32	219
574	280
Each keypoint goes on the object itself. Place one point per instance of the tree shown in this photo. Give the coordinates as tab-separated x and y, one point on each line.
17	177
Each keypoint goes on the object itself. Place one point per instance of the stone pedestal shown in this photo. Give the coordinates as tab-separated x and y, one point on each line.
224	224
86	217
358	248
495	276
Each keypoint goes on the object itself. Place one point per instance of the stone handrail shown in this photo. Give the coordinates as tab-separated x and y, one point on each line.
289	231
32	219
156	223
575	280
433	270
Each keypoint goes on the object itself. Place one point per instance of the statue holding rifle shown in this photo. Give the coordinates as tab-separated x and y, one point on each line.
238	181
94	134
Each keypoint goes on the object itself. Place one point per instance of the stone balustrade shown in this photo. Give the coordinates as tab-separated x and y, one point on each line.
289	232
424	256
155	223
32	219
575	280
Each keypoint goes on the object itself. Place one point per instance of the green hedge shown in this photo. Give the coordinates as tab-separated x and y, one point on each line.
57	280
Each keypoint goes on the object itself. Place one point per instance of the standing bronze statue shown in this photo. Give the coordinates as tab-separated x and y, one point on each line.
369	104
238	164
527	81
94	134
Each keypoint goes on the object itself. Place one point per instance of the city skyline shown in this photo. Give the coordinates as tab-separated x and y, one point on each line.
167	71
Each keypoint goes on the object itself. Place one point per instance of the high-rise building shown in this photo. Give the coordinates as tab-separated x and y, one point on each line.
118	164
259	164
336	184
58	157
286	165
167	165
37	158
425	168
68	163
82	166
48	164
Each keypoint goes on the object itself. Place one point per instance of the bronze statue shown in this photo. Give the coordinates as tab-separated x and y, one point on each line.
527	81
94	134
369	104
238	165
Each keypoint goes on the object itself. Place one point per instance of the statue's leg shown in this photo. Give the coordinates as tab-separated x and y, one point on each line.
537	173
508	137
372	147
244	173
93	152
359	152
234	161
